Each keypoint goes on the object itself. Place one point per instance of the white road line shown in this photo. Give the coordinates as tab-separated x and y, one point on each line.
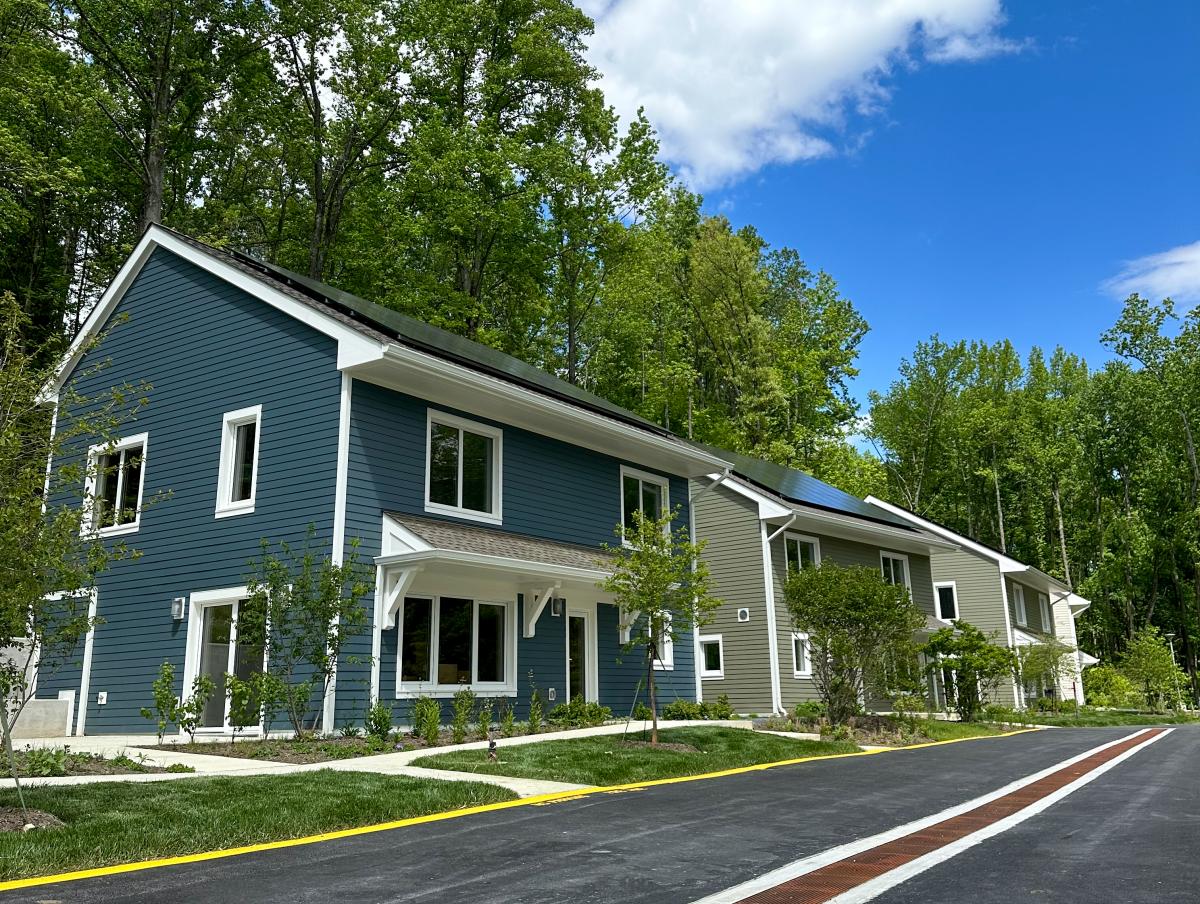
880	884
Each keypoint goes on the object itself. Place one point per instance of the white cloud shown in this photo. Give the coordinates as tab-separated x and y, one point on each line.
1169	274
734	86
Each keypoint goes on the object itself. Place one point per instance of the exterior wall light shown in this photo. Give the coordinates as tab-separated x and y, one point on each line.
177	607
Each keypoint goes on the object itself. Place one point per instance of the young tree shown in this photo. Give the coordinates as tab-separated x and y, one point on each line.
855	621
978	665
1148	663
1044	664
301	609
660	583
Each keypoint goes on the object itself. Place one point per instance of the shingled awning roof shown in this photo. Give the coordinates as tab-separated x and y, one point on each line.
486	541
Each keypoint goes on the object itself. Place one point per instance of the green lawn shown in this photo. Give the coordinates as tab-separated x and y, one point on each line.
122	822
607	760
1094	718
941	730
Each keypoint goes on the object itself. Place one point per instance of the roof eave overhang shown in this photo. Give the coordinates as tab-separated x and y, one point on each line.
516	567
457	386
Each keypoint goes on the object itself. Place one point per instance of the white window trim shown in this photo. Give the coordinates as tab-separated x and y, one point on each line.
797	671
707	673
885	554
803	538
666	650
230	421
645	477
1019	606
495	516
506	688
591	677
94	452
197	603
937	601
1047	615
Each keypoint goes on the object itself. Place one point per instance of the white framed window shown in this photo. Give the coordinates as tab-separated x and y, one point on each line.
665	646
1019	604
1044	607
226	635
895	569
712	656
237	476
643	492
447	643
115	479
945	597
463	468
801	655
800	551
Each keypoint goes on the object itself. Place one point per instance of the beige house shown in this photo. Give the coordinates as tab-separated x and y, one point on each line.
758	518
1016	604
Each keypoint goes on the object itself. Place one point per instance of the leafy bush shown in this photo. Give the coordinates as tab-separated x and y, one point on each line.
684	709
907	706
463	706
426	719
535	707
1104	685
180	767
379	720
166	704
1051	705
642	712
722	709
579	713
484	722
994	712
45	762
349	731
191	709
508	725
808	711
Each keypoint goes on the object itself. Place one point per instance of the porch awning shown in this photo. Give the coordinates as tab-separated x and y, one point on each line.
933	625
413	544
1086	659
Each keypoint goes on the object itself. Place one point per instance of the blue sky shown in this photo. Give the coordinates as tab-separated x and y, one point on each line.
970	168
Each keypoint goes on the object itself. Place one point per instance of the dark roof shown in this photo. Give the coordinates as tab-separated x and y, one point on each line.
383	323
801	487
490	542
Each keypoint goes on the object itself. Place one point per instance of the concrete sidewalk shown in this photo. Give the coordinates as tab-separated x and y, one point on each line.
398	763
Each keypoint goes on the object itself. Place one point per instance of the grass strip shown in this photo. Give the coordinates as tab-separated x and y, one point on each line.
612	760
121	822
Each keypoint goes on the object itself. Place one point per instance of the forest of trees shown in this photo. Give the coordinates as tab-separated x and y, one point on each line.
454	159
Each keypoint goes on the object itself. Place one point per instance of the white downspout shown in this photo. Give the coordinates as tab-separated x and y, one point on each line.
772	633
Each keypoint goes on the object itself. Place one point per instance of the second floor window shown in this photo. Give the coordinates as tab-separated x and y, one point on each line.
117	474
463	468
237	478
1044	607
801	552
895	568
642	492
1019	605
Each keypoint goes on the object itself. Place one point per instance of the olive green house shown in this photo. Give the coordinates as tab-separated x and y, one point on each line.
758	518
1014	603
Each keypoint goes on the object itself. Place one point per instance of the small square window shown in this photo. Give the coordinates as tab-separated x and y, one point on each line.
116	475
947	601
712	656
237	475
463	469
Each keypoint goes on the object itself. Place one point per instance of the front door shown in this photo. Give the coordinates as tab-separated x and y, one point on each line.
223	652
579	656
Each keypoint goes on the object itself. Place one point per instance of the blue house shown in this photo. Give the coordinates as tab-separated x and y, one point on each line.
479	488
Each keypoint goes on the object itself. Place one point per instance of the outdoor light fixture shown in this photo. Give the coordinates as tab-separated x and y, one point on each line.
556	607
177	605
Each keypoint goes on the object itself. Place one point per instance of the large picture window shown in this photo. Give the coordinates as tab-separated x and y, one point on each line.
642	492
116	476
451	642
463	468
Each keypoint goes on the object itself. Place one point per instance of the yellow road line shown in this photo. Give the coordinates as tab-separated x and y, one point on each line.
455	814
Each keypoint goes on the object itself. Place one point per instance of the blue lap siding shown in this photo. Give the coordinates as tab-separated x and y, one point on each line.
551	490
206	348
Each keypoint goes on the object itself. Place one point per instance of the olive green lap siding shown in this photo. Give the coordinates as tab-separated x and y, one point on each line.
730	524
1033	611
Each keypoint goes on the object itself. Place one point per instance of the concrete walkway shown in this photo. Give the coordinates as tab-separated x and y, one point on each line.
398	763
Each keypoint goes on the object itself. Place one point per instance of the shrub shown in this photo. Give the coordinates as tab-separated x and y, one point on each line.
722	709
684	709
244	707
426	719
642	712
463	706
1104	685
535	708
579	713
508	725
45	762
166	704
808	711
994	712
180	767
379	720
979	666
191	710
484	721
906	706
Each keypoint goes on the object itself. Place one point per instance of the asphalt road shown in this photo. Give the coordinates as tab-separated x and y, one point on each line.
1131	835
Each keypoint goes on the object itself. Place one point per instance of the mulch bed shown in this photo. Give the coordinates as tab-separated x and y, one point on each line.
12	819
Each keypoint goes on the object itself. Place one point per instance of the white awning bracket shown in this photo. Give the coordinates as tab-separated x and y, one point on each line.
627	620
534	604
393	597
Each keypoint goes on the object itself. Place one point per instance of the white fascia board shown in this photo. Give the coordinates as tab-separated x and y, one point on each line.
852	528
437	380
768	508
1007	563
493	563
353	347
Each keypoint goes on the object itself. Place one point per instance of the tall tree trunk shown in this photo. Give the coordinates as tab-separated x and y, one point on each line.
1062	536
999	504
651	653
